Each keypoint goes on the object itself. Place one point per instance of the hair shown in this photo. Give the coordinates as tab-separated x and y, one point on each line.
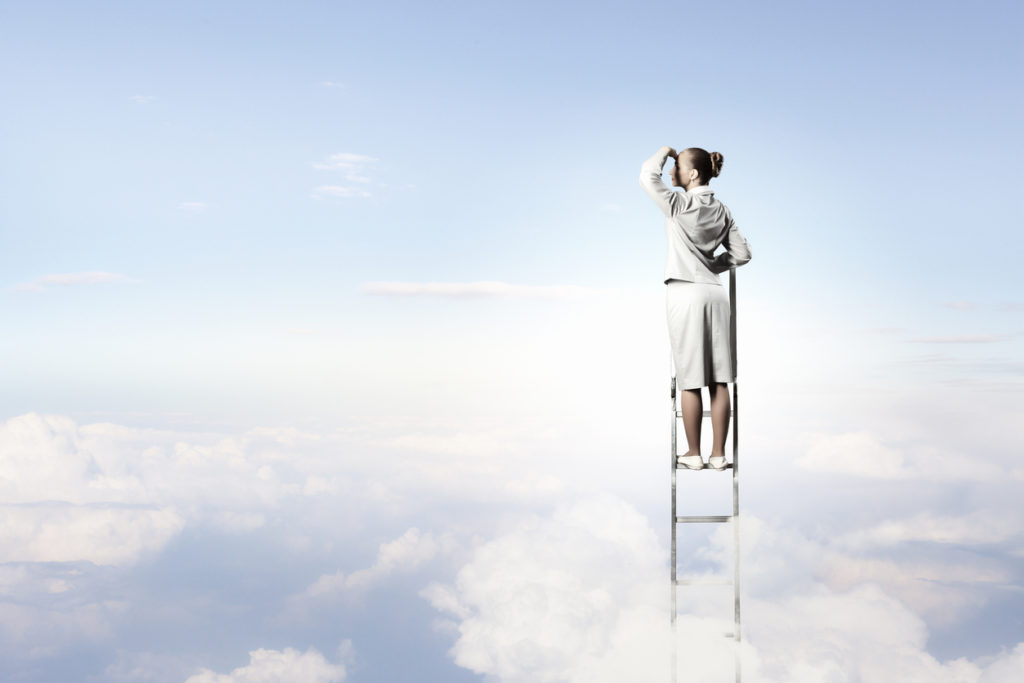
708	166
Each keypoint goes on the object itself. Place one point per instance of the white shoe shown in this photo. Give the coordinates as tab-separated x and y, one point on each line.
690	462
718	462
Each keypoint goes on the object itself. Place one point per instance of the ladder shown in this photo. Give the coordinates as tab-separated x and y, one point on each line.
735	467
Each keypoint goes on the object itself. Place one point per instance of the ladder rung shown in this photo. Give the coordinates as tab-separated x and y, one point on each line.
703	581
680	466
707	413
702	518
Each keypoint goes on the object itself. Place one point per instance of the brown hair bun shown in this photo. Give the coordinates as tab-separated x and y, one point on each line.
716	164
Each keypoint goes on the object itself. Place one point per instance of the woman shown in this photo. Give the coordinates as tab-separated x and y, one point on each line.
696	304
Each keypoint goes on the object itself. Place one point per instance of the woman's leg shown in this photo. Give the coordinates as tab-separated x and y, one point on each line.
692	407
719	417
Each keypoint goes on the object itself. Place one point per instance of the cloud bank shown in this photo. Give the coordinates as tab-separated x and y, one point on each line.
582	595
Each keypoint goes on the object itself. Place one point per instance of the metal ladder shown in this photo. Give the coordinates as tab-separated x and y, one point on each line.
735	467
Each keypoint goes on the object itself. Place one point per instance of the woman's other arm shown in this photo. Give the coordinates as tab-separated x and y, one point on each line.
650	179
737	250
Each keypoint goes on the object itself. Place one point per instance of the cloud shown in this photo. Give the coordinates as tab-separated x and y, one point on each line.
103	535
406	552
973	306
488	288
1011	306
98	498
193	206
997	366
63	505
884	330
353	167
859	635
142	99
1005	667
117	493
855	453
145	666
963	339
348	162
39	631
581	596
51	459
278	666
55	473
107	494
861	454
979	527
459	443
89	277
941	591
338	191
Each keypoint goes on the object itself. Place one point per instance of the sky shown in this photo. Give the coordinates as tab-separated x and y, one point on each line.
334	342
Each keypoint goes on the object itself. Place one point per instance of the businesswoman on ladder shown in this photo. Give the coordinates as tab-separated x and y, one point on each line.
696	304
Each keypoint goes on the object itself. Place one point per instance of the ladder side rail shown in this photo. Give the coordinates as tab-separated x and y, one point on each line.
735	472
674	396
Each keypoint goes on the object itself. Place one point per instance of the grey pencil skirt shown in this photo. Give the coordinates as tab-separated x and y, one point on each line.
698	329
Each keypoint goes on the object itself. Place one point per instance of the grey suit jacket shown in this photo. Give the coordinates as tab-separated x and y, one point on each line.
696	223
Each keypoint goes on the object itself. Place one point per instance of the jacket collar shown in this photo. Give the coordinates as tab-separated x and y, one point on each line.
700	188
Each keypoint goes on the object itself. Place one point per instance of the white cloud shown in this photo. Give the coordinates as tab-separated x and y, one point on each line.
88	277
405	553
944	593
1004	667
38	631
147	484
582	596
354	169
338	191
963	339
574	597
108	493
961	305
477	289
459	443
861	634
278	666
856	453
786	561
139	667
50	458
345	161
193	206
978	527
68	533
861	454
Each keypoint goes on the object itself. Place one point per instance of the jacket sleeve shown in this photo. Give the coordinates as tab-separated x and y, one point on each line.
737	250
650	179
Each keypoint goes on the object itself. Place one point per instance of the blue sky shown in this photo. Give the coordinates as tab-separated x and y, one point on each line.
231	444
